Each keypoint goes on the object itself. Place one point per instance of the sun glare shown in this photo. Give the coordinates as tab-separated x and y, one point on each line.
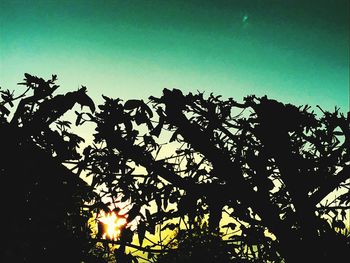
112	224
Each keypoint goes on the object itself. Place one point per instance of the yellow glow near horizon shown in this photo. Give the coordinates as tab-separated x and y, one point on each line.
112	224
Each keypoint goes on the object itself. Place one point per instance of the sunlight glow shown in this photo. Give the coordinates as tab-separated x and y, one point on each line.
112	225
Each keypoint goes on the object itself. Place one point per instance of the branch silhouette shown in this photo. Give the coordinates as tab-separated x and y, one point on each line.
201	178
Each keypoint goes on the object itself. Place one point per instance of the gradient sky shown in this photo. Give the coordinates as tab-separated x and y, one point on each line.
294	51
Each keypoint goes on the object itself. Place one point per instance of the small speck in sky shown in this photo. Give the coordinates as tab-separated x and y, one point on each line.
245	18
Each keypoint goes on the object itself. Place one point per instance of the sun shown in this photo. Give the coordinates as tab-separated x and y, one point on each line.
111	224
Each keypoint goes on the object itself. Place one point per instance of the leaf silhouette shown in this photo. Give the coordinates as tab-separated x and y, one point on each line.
132	104
141	230
84	100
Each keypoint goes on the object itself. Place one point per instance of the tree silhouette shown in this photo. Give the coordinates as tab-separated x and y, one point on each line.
273	165
201	179
42	209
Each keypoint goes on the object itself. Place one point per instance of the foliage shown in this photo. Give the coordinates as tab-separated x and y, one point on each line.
43	216
200	178
273	164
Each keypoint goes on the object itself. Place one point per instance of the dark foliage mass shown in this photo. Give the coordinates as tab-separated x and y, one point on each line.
42	214
204	179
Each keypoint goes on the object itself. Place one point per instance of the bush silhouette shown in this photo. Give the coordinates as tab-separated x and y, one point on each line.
180	164
42	215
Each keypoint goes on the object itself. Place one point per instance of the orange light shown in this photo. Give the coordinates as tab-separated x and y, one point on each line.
112	224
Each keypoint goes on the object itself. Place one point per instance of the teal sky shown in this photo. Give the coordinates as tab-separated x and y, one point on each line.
294	51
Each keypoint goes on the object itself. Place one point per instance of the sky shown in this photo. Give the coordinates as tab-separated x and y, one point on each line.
293	51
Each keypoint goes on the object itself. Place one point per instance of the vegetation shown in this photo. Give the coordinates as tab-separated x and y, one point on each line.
199	179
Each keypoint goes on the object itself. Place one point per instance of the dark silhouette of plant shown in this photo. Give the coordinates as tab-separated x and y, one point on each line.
198	245
43	217
198	178
274	165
